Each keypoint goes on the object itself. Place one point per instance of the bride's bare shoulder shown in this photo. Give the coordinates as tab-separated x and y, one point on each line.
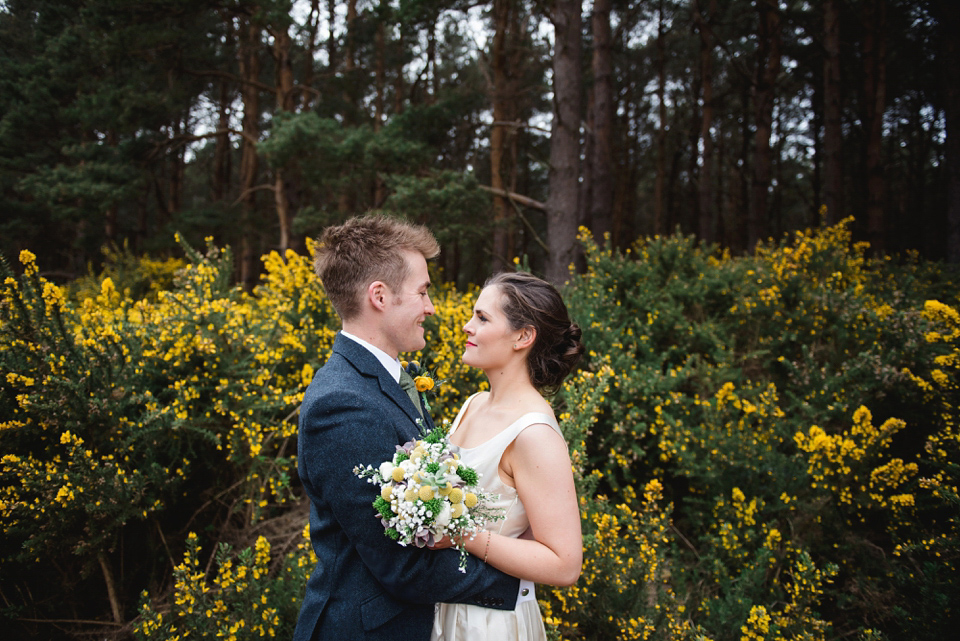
541	405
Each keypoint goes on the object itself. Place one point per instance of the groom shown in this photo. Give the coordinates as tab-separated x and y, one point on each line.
365	585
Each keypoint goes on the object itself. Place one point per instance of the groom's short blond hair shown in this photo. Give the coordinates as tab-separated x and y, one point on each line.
366	249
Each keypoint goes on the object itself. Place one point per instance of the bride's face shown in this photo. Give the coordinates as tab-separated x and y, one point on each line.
490	338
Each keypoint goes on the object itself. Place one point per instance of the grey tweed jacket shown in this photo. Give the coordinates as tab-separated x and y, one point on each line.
366	586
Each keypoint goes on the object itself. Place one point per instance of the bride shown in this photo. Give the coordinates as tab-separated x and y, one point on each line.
522	337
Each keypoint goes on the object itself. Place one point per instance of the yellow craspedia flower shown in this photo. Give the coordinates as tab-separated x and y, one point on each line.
386	492
398	474
457	510
444	491
426	493
423	383
470	500
456	495
410	495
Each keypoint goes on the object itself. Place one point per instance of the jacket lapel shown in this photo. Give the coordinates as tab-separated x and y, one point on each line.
368	365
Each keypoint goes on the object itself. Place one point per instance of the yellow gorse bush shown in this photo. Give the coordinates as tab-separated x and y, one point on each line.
848	464
160	410
754	439
243	599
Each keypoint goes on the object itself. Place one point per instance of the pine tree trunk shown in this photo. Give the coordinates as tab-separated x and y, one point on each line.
707	223
602	187
832	105
659	222
739	191
222	151
347	199
333	57
250	94
502	158
949	20
432	64
768	67
379	101
285	102
564	171
399	86
875	89
313	27
585	193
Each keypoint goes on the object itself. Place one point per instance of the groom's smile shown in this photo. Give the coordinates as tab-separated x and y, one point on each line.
409	307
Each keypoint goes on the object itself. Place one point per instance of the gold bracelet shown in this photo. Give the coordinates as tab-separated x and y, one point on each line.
487	550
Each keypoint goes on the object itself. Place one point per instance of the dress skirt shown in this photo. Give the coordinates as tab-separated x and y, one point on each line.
461	622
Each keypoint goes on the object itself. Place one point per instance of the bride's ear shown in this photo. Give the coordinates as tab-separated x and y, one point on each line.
527	335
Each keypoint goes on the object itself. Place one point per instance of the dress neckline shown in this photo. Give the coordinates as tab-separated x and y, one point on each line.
506	430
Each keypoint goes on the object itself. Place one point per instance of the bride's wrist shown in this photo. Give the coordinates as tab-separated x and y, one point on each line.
479	545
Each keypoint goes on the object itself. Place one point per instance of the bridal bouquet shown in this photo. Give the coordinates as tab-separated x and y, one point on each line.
426	493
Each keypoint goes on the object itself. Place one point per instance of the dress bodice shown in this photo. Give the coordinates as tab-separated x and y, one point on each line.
485	459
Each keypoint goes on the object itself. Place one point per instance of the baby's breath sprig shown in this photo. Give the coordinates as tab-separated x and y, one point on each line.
427	493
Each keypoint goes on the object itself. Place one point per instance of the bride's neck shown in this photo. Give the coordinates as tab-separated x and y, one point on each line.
509	386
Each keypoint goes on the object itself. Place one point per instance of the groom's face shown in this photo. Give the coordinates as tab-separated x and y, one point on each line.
407	308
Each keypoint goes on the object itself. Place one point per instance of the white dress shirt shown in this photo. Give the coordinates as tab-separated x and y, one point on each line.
392	364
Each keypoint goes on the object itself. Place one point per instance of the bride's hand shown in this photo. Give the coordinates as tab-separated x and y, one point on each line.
445	542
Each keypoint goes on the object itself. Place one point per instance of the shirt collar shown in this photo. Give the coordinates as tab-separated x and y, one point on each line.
391	364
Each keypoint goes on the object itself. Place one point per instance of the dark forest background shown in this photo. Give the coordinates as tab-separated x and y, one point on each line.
765	434
503	126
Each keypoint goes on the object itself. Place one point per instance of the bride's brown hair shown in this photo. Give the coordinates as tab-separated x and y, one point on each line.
528	301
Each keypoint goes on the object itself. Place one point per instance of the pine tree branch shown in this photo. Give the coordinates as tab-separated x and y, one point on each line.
514	197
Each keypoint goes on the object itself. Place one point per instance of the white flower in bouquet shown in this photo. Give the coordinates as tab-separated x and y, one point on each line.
427	493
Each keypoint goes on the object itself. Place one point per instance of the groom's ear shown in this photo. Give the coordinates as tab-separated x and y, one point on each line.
377	293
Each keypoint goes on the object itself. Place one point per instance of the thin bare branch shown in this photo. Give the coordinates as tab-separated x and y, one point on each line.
247	192
523	200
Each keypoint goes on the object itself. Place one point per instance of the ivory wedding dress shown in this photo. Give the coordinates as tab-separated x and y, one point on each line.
463	622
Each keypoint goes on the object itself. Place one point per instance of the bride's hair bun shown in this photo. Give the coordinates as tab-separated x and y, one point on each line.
529	301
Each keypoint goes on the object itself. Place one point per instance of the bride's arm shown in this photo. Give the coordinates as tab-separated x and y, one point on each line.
540	465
